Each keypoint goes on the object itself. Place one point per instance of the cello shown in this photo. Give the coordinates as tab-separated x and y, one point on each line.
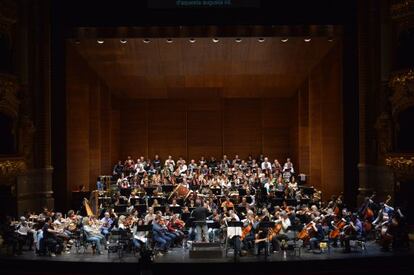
337	229
306	233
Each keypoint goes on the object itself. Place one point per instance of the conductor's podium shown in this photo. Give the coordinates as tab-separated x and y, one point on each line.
206	250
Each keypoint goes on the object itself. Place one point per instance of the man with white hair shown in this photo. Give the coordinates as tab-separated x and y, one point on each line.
266	165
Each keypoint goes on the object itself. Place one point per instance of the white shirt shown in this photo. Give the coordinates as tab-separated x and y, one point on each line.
266	165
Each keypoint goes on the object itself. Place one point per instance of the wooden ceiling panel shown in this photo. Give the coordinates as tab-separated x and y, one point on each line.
246	69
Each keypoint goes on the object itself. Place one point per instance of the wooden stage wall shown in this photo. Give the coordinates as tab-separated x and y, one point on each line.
306	127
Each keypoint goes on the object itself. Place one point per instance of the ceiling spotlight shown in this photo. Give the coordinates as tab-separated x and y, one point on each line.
215	40
284	40
261	39
123	41
100	41
146	40
308	39
238	40
169	40
192	40
77	42
330	39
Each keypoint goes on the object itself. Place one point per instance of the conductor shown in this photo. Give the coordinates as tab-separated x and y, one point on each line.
199	215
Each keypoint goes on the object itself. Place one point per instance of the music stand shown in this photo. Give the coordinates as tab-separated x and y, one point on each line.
120	209
159	208
291	202
185	217
277	201
104	201
167	188
176	209
307	190
194	187
279	194
265	225
126	192
149	190
141	208
180	201
241	210
134	201
234	230
242	192
216	191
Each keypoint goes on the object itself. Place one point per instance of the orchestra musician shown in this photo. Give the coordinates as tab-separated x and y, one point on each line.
200	214
352	231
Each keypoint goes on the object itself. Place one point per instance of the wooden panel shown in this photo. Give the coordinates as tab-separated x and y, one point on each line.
246	69
204	128
167	125
94	132
115	121
77	122
134	134
325	124
105	129
277	123
242	127
88	124
303	128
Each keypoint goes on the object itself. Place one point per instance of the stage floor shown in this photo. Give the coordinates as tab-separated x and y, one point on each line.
178	258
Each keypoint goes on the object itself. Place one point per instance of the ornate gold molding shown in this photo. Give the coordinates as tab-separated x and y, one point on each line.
402	85
12	168
9	103
401	8
401	164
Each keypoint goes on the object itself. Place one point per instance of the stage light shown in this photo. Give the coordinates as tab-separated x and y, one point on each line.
215	40
146	40
308	39
123	41
169	40
192	40
261	40
284	40
100	41
238	40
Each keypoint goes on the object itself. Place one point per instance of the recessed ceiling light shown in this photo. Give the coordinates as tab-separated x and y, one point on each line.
169	40
261	40
123	41
100	41
238	40
215	40
330	39
146	40
308	39
284	40
192	40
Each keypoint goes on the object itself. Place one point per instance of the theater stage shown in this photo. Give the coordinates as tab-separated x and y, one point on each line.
178	261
